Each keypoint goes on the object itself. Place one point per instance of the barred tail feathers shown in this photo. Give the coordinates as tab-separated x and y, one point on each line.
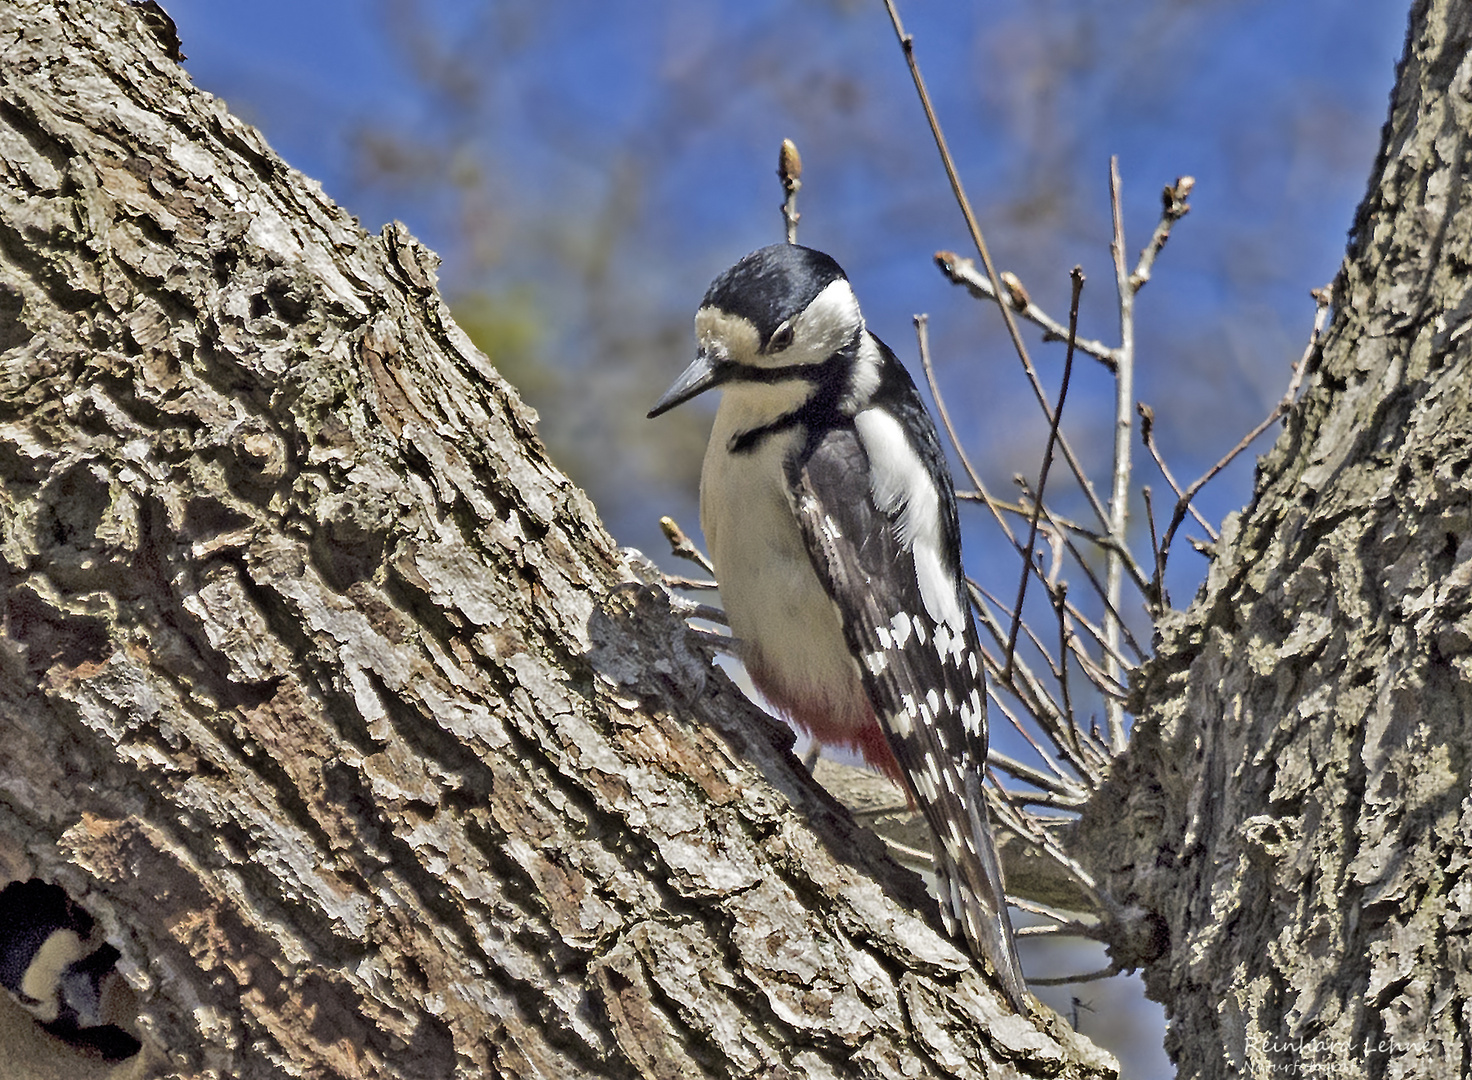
974	900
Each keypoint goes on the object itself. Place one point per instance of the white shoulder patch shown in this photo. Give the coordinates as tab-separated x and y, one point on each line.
865	373
903	488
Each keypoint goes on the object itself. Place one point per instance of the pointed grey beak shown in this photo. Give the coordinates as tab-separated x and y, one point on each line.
705	372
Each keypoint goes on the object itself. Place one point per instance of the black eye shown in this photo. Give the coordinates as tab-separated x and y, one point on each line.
780	339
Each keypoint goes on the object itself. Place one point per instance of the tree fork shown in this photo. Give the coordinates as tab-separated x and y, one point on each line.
325	692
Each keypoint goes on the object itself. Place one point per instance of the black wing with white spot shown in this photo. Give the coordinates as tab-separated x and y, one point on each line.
926	687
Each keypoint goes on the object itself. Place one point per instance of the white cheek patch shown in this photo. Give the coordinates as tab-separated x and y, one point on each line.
826	325
902	487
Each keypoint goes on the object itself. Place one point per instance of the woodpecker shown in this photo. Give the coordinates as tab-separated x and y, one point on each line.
56	971
829	515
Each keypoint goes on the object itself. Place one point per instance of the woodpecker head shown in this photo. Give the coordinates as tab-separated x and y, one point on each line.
780	314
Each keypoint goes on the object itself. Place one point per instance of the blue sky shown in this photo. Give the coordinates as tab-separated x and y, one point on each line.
589	166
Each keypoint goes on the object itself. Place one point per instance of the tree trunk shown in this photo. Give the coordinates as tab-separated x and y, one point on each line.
327	695
1294	815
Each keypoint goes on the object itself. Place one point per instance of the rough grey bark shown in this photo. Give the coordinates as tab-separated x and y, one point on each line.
1297	800
325	692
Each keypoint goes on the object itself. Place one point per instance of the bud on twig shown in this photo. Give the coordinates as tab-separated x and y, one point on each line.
1173	198
789	171
789	165
1015	292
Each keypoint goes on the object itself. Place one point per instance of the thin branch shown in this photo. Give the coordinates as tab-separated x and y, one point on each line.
1098	636
1028	775
1047	911
1065	980
1173	207
1047	759
1023	509
906	853
789	171
1158	601
1071	928
679	581
1046	712
1042	651
996	506
1101	682
1047	717
907	45
962	271
724	644
1147	436
1050	801
1136	574
1001	760
1119	499
922	344
681	545
1060	607
1322	300
1066	526
1028	828
693	609
1042	709
1077	279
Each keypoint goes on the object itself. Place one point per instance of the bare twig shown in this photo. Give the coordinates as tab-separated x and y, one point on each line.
1103	541
694	609
1173	207
789	171
1034	697
962	271
1070	928
1322	300
1119	498
681	545
1101	682
1136	575
996	506
922	344
1040	706
906	853
679	581
1028	828
1049	800
1147	436
1050	723
907	45
1028	775
1047	911
1060	608
1042	650
1064	980
1046	758
1158	599
1077	279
